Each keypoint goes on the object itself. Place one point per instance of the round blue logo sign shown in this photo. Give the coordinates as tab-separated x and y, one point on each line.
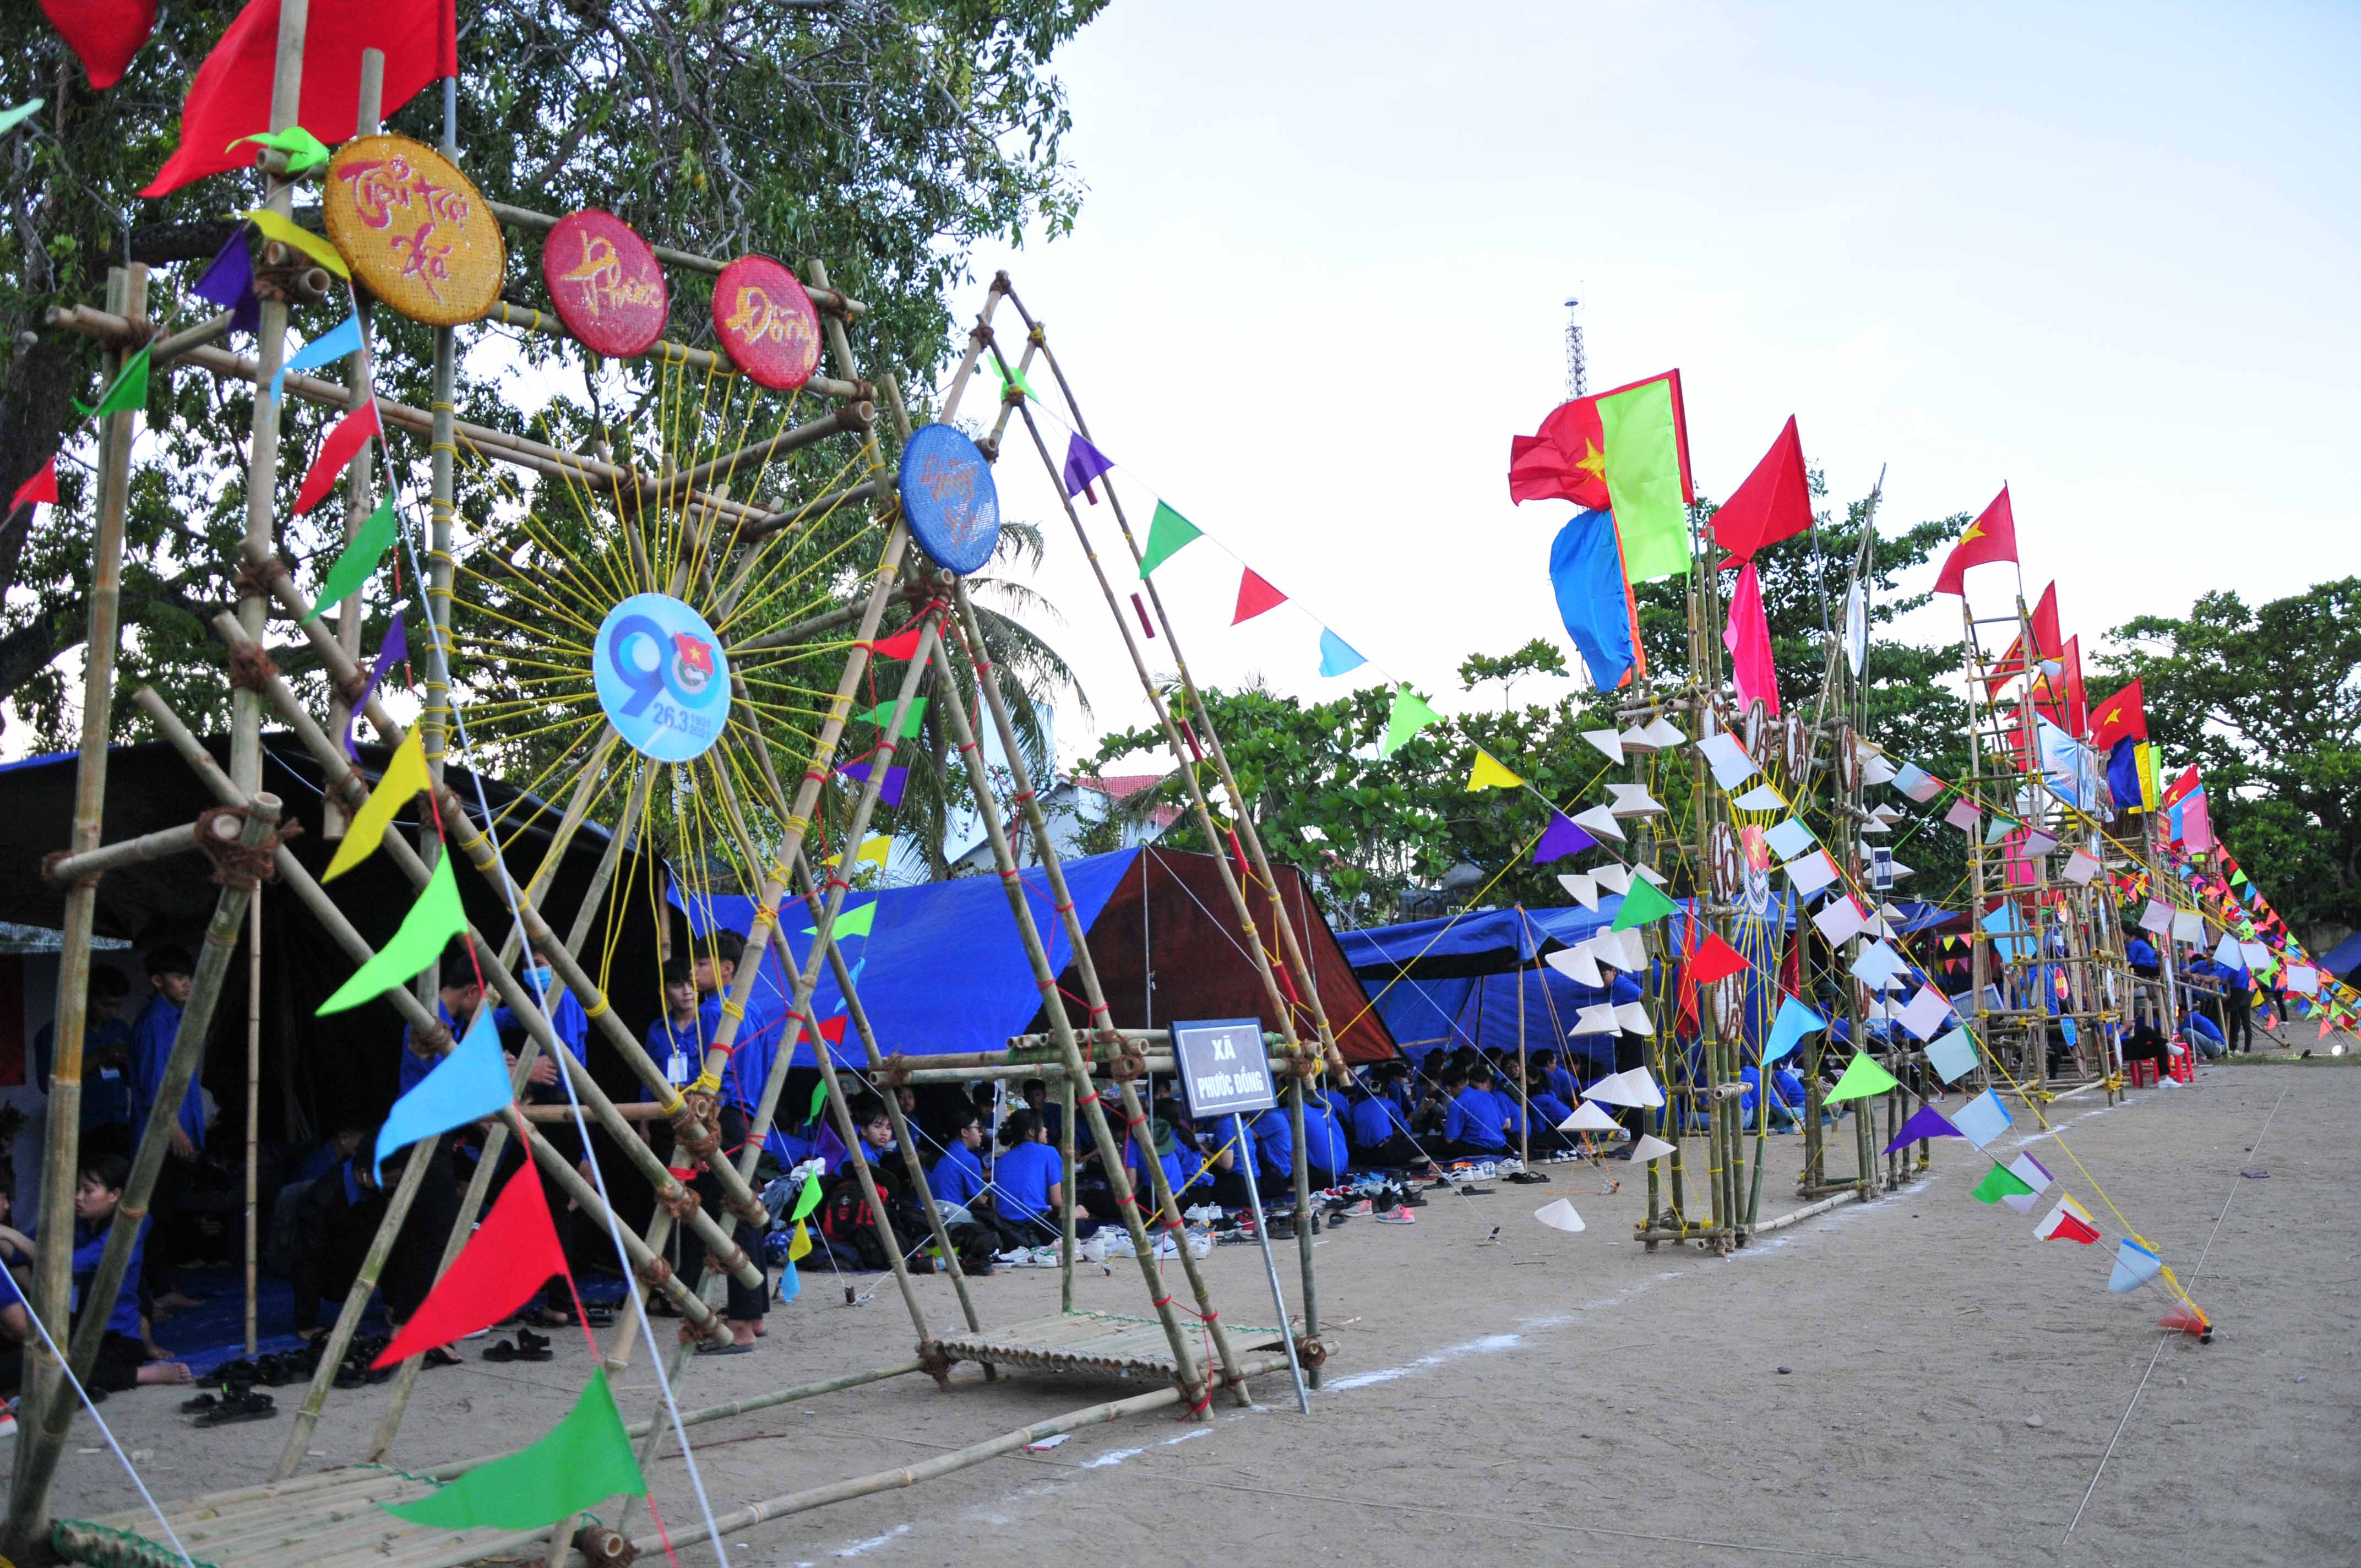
662	677
948	498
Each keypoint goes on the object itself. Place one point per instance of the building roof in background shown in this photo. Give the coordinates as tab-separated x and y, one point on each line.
1123	786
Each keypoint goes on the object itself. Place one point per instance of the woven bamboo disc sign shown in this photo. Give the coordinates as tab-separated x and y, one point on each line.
417	233
766	323
608	288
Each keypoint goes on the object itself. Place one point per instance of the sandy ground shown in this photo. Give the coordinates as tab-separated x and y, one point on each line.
1912	1381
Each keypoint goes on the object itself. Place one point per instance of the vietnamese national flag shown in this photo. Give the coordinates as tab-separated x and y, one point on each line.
1773	503
1991	537
231	96
103	34
2044	641
1625	451
2121	718
508	1258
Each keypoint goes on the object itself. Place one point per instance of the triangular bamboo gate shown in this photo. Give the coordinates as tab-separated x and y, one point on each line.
1074	1341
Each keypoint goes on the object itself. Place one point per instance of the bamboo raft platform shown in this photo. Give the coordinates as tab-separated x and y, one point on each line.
1104	1342
315	1518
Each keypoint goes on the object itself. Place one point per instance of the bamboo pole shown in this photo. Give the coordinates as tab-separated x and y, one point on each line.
46	1441
162	844
360	473
253	1103
26	1519
1066	1220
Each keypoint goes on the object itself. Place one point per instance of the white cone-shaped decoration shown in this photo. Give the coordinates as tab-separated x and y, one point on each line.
1647	1095
1587	1118
1651	874
1634	800
1559	1216
1613	877
1580	886
1633	1017
1597	1020
1580	965
1635	948
1876	771
1636	740
1666	734
1874	825
1650	1147
1600	821
1607	741
1615	1089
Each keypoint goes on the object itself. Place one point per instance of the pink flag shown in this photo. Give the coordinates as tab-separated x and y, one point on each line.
1748	641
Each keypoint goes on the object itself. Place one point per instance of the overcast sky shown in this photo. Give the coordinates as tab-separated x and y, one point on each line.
2108	257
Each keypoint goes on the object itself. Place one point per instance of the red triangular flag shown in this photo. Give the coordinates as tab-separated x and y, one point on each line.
41	487
230	98
903	644
511	1253
1255	595
2071	1229
2044	639
103	34
1991	537
336	453
1716	960
1775	503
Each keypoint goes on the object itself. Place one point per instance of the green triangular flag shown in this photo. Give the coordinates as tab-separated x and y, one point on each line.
433	921
884	710
357	565
304	150
2238	880
1168	531
129	392
808	1199
2001	1182
585	1459
10	119
1643	906
1862	1078
851	921
819	1098
1410	716
1012	375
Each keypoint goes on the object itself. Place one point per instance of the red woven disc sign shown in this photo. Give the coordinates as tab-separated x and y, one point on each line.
608	288
766	322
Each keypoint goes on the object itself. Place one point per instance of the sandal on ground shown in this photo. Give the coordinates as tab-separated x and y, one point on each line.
529	1342
441	1355
1525	1178
505	1352
725	1350
247	1407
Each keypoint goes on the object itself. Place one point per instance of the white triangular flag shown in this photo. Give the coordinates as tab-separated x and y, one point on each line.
1761	797
1649	1147
1633	1017
1613	877
1666	734
1634	800
1730	764
1587	1118
1607	741
1811	873
1559	1216
2188	927
1840	919
1650	873
1602	821
1579	965
1876	771
1581	887
1926	1012
2033	1174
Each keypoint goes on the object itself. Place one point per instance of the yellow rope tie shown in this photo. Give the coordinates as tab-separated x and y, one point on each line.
708	1082
596	1012
673	1107
798	825
764	916
731	1010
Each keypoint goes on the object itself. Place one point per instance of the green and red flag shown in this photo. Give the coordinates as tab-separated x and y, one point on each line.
1625	451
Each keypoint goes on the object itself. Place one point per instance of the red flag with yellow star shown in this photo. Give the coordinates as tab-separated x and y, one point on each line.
1991	537
1624	452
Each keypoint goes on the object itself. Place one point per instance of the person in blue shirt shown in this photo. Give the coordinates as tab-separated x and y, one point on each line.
1029	1180
1381	1139
1476	1124
1323	1139
1167	1156
1550	1076
957	1181
105	1063
2199	1031
1274	1140
123	1353
2237	1007
171	976
2141	956
677	1038
713	970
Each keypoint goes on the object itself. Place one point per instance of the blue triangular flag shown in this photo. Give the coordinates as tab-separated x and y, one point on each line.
1928	1122
1587	574
1084	463
1561	838
1336	655
325	349
2135	1266
1787	1030
228	282
790	1285
468	1085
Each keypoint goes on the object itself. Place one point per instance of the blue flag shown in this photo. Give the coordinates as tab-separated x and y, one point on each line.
1336	655
468	1085
1787	1030
325	349
1587	571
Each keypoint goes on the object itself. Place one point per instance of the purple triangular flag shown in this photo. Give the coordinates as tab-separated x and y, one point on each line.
890	791
229	283
390	652
1083	464
1561	838
831	1149
1928	1122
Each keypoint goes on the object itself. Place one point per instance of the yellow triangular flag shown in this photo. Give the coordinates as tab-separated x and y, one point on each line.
404	777
801	1243
1488	773
877	849
286	232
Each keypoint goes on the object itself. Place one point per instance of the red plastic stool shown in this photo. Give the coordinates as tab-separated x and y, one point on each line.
2184	1069
2143	1071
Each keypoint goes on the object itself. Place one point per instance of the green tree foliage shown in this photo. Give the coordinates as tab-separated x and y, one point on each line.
885	138
1386	827
2266	702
